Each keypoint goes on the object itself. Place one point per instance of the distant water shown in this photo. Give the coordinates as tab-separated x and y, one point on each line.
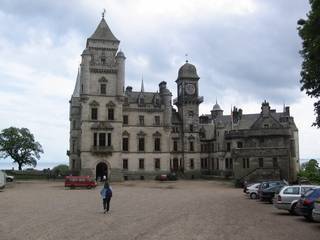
40	166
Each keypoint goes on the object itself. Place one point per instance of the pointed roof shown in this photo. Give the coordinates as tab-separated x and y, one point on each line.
76	92
103	32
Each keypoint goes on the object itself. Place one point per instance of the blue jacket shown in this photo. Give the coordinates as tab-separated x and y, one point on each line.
106	192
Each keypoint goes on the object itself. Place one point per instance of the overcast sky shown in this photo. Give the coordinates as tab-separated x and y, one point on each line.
245	51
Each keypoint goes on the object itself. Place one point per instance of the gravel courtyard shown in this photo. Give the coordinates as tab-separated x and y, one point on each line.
144	210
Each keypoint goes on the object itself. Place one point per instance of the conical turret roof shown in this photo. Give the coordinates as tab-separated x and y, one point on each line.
103	32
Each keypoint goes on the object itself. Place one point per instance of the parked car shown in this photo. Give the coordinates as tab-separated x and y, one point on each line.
2	179
288	196
305	204
9	178
268	194
80	181
252	190
316	210
268	184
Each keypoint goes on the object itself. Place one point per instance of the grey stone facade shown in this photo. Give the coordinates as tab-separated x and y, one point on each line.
126	134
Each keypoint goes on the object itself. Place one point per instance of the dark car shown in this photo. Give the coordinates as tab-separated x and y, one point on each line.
306	203
269	184
267	194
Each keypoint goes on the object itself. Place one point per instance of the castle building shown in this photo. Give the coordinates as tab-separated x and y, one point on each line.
125	134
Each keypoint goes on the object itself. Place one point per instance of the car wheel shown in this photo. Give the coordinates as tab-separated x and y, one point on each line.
253	195
293	209
89	187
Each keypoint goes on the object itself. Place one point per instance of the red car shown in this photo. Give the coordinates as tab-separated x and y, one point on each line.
80	181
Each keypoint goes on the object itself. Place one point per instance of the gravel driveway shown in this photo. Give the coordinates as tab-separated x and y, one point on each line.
144	210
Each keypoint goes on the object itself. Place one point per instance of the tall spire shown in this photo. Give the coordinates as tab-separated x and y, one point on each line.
142	86
103	31
76	92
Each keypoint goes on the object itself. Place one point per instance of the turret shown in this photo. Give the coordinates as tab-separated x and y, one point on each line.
166	95
216	111
265	108
120	60
85	72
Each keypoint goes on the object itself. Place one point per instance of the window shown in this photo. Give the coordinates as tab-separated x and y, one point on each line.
81	88
191	163
74	122
157	120
125	119
141	163
230	163
175	146
228	147
261	162
157	144
218	164
103	88
191	146
125	144
239	144
141	120
275	162
73	164
191	127
245	162
125	163
141	144
95	138
73	146
292	190
102	139
226	161
109	139
94	113
110	114
157	163
103	60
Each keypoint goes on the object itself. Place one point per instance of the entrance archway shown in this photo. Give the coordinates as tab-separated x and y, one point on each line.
101	170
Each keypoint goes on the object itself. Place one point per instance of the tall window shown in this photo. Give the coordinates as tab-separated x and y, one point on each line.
175	146
157	163
110	114
109	139
125	119
73	164
125	163
157	144
191	146
141	120
157	120
275	162
94	113
245	162
191	127
125	144
141	144
228	147
73	146
95	139
226	163
261	162
103	88
191	163
102	139
74	124
218	167
141	163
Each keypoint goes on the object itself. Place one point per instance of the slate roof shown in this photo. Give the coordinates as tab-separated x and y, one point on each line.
133	96
103	32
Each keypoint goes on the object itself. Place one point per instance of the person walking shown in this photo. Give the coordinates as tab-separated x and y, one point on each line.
106	194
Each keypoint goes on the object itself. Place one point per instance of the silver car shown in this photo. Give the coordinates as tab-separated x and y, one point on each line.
289	195
252	190
316	211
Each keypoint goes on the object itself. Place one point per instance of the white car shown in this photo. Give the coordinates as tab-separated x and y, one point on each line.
316	211
252	190
289	195
2	179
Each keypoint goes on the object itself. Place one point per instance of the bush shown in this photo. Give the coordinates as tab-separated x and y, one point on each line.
61	170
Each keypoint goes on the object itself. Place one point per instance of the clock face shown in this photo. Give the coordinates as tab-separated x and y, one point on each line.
190	89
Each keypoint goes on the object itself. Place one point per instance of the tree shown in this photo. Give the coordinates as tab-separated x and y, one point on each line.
62	170
309	31
311	171
19	144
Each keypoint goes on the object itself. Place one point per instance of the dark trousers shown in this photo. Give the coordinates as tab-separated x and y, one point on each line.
106	203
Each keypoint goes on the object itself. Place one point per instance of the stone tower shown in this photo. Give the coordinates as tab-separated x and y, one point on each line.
188	102
96	106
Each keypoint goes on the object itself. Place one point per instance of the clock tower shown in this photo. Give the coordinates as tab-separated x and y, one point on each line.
188	102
